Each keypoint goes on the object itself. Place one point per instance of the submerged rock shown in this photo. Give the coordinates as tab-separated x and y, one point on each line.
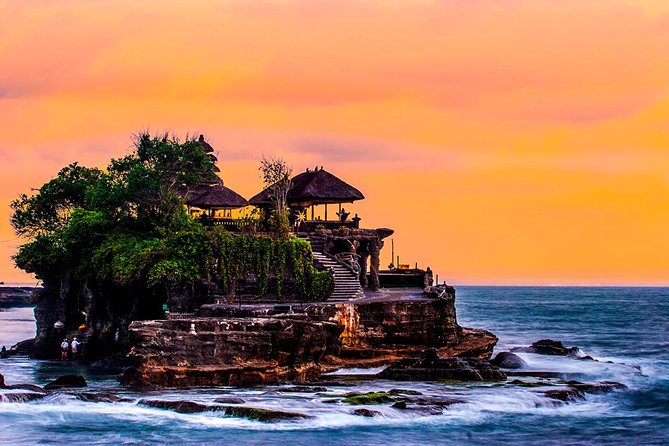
548	347
265	415
23	397
601	387
252	413
435	401
31	387
418	410
302	389
229	400
180	406
66	381
508	360
367	413
368	398
565	395
97	397
519	383
432	368
576	390
396	392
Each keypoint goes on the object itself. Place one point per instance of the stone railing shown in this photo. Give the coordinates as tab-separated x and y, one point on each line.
177	316
312	225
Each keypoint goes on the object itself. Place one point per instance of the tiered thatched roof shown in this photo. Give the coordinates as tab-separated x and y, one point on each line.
212	194
215	196
314	187
209	150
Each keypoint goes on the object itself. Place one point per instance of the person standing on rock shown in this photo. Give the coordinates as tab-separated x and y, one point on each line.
75	347
64	347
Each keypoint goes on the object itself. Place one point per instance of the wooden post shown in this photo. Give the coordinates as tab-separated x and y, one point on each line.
326	212
312	211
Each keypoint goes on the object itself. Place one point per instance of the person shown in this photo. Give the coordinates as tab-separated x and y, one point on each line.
64	347
3	352
343	215
75	347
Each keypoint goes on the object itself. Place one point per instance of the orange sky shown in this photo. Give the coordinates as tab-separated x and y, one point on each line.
506	142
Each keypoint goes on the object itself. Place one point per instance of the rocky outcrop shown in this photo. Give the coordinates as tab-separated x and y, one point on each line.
508	360
232	351
246	346
430	367
362	412
378	331
66	381
548	347
252	413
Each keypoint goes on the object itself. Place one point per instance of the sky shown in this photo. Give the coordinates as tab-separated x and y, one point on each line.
514	142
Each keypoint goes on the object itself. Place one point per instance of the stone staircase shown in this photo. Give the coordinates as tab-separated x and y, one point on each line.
346	282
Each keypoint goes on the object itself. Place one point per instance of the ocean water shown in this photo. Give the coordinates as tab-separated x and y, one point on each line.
626	326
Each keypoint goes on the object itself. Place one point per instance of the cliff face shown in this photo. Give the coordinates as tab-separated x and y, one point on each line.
66	307
233	346
228	351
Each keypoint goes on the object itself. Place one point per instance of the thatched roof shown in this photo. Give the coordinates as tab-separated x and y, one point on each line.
215	196
314	187
207	147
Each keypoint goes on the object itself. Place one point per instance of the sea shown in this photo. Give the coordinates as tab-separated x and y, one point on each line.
624	329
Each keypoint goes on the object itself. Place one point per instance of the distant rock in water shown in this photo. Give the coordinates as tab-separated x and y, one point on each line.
566	395
251	413
549	347
66	381
16	296
597	388
508	360
367	413
96	397
432	368
23	397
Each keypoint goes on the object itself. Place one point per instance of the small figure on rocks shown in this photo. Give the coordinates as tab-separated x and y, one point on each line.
3	352
64	347
75	347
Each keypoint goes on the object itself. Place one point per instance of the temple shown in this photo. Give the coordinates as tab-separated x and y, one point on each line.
317	201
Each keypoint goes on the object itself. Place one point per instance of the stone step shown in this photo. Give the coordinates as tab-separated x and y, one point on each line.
346	284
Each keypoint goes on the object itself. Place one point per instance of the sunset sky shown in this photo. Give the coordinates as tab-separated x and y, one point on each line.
506	142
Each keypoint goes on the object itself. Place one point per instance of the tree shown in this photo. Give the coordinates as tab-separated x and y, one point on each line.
276	177
125	224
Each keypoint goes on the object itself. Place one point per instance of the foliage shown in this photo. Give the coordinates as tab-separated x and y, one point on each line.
276	177
279	224
124	224
126	228
49	209
264	256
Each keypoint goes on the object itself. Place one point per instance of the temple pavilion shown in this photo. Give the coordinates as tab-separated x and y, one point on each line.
212	199
312	191
316	200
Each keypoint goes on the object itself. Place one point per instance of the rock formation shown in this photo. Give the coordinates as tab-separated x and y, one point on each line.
229	345
430	367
